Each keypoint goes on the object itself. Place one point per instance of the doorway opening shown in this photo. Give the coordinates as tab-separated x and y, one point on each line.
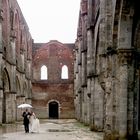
53	110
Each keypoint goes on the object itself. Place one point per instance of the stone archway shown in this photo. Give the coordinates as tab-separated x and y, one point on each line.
53	110
123	41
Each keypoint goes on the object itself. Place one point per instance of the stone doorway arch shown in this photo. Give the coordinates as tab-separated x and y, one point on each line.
53	109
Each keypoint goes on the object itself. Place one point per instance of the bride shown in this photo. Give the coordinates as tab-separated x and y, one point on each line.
34	123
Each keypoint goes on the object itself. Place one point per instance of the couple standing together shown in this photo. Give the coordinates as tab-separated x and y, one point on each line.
30	122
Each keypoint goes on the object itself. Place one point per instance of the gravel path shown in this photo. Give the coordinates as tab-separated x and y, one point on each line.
53	130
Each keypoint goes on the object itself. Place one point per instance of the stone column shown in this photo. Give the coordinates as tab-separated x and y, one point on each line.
1	105
90	39
1	50
1	82
98	104
79	91
76	79
88	101
12	56
79	56
84	56
125	56
13	106
131	93
13	77
76	58
137	100
123	101
90	73
80	79
90	66
108	106
91	13
84	69
1	19
19	100
10	105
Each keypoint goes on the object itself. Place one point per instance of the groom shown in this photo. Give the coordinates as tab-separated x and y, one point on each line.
26	114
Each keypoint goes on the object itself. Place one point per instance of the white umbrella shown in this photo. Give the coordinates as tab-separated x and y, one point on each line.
24	106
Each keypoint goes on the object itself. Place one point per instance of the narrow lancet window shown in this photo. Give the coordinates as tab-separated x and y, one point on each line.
44	73
64	72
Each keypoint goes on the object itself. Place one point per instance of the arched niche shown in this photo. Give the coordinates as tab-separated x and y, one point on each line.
6	81
123	24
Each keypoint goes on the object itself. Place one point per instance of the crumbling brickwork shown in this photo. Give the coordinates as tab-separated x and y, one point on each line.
15	61
17	72
54	89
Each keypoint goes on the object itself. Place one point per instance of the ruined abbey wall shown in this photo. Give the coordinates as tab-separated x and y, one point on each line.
106	68
18	72
15	61
53	95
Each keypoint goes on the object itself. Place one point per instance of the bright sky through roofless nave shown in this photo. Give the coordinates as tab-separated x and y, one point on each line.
51	19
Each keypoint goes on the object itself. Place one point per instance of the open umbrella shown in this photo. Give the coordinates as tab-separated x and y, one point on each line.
24	106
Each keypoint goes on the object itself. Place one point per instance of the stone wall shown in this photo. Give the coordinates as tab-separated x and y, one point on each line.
15	61
54	89
106	84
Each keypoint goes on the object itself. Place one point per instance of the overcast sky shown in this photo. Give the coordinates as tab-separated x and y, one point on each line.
51	19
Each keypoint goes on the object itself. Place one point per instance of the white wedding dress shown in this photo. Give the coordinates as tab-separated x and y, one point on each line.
34	124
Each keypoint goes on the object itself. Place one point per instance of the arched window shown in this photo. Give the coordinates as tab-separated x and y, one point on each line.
64	72
44	73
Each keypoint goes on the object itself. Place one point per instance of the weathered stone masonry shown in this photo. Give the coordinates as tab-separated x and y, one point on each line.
53	97
107	67
15	61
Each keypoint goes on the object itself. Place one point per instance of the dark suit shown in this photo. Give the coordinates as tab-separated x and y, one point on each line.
26	115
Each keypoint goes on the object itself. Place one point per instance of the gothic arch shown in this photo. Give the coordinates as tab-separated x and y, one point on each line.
116	22
6	81
123	20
